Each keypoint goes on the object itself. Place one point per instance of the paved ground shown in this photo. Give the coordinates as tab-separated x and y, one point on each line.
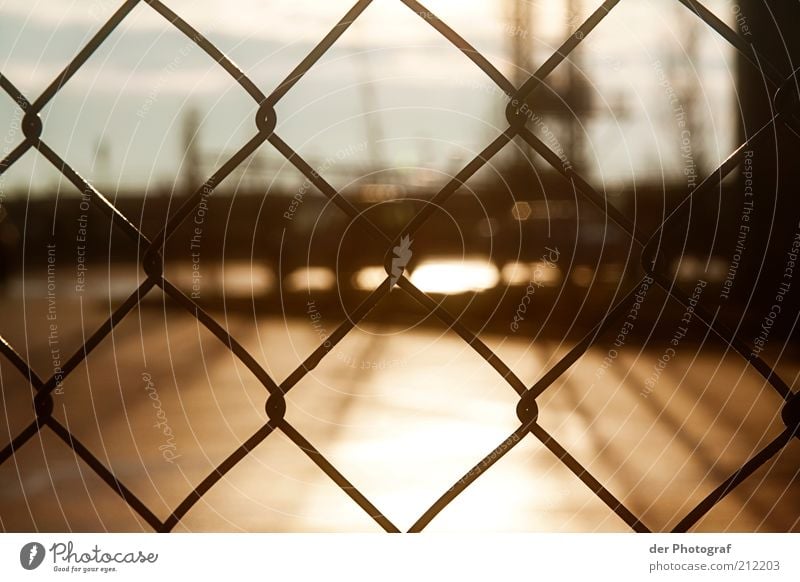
402	413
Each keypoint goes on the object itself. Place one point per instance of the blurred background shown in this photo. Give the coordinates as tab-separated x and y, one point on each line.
649	104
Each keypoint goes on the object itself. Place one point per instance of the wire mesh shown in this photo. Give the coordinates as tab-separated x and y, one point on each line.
152	262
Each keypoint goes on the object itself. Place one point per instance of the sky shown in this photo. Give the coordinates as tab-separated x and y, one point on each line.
391	78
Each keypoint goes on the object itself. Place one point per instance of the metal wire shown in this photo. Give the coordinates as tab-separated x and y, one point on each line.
527	410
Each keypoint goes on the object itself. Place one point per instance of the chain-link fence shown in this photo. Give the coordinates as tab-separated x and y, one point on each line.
150	251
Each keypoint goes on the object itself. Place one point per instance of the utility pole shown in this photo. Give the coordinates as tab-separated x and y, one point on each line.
101	166
518	25
192	165
576	95
567	102
518	29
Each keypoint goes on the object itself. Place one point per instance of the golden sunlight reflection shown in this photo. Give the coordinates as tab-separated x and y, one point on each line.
379	410
452	276
539	273
582	275
369	278
246	279
234	279
310	279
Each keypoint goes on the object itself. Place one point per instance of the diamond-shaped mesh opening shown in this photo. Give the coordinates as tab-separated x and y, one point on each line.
529	490
387	100
124	119
175	404
300	497
636	107
675	430
376	409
